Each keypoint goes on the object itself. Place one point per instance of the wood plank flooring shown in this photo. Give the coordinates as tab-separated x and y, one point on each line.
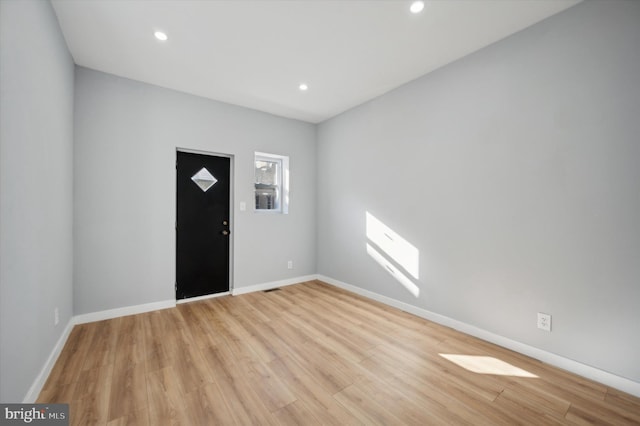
311	354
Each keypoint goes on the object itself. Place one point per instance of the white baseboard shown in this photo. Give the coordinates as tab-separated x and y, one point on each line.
38	384
121	312
273	284
587	371
584	370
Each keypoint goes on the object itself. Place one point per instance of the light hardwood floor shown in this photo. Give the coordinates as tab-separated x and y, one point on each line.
311	354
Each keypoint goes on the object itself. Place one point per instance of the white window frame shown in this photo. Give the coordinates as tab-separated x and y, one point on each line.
283	182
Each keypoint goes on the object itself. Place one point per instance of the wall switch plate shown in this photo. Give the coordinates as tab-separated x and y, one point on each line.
544	321
290	264
56	316
243	206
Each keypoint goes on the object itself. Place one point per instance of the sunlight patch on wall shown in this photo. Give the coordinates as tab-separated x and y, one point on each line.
396	247
487	365
396	255
395	272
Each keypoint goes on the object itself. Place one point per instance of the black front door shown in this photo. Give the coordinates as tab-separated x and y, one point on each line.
202	226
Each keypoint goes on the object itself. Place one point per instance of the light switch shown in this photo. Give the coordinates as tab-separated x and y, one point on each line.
243	206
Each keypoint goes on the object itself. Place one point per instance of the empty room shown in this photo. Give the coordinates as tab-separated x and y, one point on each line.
335	212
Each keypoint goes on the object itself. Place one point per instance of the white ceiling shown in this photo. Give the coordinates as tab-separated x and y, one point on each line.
256	53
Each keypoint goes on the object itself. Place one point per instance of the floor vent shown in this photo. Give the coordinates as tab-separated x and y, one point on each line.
270	290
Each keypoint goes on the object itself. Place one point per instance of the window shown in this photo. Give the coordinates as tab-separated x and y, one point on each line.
271	183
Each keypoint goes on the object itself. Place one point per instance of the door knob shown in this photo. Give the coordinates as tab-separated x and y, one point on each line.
225	223
225	232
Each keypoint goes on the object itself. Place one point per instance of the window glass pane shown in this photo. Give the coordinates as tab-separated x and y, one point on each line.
267	172
266	197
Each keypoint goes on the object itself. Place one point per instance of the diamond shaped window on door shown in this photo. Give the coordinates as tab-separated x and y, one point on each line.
204	179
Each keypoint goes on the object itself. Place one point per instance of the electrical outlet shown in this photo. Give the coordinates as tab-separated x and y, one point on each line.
56	316
290	264
544	321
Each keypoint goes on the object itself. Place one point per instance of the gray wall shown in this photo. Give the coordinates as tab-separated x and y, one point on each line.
514	172
126	134
36	148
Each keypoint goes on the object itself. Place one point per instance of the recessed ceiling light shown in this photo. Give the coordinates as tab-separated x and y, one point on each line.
303	87
416	6
160	36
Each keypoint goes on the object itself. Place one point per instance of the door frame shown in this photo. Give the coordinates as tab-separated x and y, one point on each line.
231	158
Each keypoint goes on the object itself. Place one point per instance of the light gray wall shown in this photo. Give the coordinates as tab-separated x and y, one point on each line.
36	139
514	172
126	134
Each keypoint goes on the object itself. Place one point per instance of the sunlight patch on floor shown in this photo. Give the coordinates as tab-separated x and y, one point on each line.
487	365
